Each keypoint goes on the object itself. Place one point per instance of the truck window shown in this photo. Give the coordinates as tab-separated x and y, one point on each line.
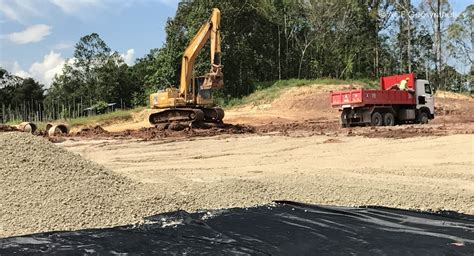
427	89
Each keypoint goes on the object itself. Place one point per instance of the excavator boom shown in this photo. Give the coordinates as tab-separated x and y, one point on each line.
210	29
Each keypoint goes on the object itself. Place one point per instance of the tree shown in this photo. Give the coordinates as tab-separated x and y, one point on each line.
461	36
15	90
405	34
438	11
380	14
96	73
90	54
265	40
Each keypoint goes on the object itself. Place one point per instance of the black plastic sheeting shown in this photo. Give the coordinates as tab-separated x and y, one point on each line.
283	228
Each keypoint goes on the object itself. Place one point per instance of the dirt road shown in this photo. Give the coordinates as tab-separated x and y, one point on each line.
428	173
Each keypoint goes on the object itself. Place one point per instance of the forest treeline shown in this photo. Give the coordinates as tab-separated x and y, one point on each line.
268	40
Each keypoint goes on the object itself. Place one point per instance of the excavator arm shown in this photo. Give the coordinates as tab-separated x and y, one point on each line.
209	30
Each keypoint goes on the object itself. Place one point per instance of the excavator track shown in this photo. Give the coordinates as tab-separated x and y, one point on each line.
177	115
213	115
193	115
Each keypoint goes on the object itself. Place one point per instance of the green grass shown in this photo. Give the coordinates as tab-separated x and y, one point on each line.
14	122
103	119
266	92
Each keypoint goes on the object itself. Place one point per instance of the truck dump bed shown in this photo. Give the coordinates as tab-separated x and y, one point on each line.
385	96
362	97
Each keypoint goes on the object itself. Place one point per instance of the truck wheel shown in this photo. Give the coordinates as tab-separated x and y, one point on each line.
376	119
423	117
343	122
388	119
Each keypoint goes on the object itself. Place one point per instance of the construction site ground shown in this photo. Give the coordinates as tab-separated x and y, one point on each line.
289	149
293	149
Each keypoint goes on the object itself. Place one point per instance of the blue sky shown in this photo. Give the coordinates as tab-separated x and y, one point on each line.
38	36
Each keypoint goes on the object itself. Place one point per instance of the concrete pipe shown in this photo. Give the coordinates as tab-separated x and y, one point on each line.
48	126
27	127
57	129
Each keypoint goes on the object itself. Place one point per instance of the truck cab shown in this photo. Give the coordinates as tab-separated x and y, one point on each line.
424	99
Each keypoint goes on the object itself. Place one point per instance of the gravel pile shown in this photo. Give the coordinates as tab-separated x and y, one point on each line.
44	188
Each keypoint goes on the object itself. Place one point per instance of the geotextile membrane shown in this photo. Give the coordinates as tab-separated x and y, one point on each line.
281	228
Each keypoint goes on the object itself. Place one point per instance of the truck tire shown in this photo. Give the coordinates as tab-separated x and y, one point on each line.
423	117
376	119
389	119
343	122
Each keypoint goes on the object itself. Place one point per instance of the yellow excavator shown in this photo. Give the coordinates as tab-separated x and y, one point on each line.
193	101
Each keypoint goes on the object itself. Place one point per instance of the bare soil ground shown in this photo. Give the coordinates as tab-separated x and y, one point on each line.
433	173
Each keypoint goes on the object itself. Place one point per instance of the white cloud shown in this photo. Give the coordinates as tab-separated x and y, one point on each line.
52	64
19	10
128	57
18	71
44	71
31	34
23	10
9	12
63	45
72	6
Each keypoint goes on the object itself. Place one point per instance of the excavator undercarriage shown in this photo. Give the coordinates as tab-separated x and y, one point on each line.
191	114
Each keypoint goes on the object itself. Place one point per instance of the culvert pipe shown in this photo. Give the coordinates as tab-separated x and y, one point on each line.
57	129
27	127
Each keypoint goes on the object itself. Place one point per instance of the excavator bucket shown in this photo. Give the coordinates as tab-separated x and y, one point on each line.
214	79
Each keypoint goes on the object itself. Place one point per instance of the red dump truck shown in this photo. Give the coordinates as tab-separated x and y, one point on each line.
388	105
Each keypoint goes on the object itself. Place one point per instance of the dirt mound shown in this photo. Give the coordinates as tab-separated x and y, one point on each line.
45	187
7	128
311	127
452	95
143	115
451	110
295	103
201	131
306	99
399	132
92	130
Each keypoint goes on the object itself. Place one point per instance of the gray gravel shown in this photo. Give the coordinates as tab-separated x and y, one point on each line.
44	188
